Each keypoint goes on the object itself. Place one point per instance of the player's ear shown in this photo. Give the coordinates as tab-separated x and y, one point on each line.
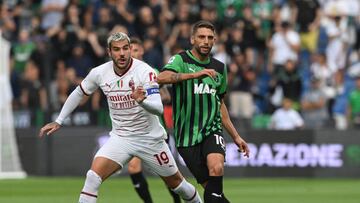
108	51
192	40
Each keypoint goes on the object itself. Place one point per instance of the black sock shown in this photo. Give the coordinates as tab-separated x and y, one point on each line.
214	190
175	196
141	186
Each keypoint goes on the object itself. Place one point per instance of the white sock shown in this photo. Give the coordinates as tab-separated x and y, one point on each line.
187	192
90	190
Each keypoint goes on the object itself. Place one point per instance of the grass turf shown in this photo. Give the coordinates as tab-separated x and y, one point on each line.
120	190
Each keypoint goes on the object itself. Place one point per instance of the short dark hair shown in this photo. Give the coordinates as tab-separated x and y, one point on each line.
135	40
202	24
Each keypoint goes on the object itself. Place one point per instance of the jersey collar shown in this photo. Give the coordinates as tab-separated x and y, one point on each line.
188	52
127	70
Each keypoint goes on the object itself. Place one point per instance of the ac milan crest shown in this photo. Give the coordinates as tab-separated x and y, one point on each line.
131	83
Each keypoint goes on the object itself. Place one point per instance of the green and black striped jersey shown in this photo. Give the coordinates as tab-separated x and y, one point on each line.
196	102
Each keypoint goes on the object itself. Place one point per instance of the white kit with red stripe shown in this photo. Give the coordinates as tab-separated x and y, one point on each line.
127	116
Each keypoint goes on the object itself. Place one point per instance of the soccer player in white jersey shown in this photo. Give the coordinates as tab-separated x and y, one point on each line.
134	104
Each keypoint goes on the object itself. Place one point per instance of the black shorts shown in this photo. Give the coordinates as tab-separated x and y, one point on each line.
195	156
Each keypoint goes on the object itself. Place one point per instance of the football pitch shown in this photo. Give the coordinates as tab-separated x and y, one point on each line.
120	190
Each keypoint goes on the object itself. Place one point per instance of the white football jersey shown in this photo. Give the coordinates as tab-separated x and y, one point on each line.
127	116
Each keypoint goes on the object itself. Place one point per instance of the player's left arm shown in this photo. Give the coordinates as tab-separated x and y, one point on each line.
229	127
226	122
150	100
148	95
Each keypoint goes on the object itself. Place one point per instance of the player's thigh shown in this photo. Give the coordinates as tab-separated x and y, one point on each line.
195	161
159	159
134	165
116	149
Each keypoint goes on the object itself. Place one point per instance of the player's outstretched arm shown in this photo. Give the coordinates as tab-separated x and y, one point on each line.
169	77
229	127
70	104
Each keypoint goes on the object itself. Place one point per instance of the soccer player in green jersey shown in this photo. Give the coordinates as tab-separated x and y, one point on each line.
199	112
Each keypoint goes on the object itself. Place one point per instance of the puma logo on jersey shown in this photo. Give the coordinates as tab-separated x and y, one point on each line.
216	195
192	70
203	89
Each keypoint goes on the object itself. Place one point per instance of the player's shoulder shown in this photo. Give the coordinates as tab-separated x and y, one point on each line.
98	73
140	65
217	65
102	68
179	57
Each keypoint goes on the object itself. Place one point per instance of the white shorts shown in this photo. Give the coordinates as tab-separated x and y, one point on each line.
155	154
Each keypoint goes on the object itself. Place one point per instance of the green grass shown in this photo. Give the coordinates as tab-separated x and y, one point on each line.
120	190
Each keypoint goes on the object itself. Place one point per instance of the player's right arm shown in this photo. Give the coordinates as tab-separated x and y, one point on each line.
173	72
87	87
70	104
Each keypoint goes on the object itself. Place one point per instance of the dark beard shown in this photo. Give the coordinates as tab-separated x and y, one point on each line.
116	65
198	50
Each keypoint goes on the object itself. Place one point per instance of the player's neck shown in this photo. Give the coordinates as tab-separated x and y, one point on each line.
122	71
198	56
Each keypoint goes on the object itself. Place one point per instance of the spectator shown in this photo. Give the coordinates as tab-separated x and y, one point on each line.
286	118
284	46
180	35
241	82
52	13
123	14
60	88
326	76
354	105
289	83
313	106
308	15
234	43
250	28
80	61
143	21
7	23
33	95
22	51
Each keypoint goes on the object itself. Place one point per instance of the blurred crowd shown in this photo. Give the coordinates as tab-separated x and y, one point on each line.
281	55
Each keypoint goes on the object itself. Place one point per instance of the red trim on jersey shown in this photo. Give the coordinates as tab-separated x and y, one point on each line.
127	70
88	194
82	89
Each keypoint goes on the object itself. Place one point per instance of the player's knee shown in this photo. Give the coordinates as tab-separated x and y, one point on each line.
92	176
174	180
216	169
134	168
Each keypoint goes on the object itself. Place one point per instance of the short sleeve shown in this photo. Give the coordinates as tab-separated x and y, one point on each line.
223	82
89	84
174	64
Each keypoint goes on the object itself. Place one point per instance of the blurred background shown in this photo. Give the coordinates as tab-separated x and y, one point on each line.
281	55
